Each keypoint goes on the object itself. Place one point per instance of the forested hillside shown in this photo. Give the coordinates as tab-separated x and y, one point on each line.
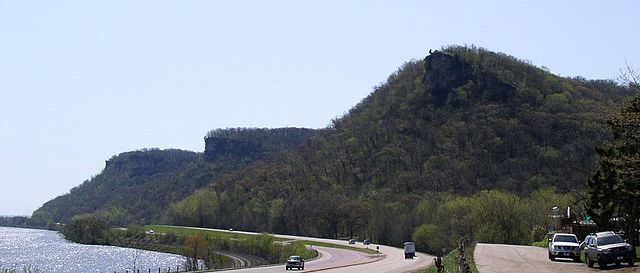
461	121
439	130
138	187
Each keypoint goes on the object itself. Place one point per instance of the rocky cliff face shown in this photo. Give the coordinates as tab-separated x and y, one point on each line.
148	162
446	75
253	143
217	147
443	74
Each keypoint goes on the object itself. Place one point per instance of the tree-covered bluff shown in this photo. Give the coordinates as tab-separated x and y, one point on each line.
460	121
138	186
424	145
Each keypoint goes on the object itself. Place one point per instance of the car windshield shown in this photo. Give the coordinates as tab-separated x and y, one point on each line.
607	240
297	258
566	238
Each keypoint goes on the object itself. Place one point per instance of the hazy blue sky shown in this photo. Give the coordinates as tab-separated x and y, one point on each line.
81	81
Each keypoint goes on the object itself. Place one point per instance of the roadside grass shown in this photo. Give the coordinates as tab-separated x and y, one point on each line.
190	231
472	261
239	236
265	246
450	262
314	243
544	243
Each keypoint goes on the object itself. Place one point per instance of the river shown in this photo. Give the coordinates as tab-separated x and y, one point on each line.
48	251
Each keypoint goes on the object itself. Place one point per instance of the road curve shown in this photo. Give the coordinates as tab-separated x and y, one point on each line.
495	258
329	258
334	260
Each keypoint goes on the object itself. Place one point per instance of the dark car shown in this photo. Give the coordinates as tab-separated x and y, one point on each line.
606	248
295	262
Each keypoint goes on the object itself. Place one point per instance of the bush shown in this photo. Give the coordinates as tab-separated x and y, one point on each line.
544	243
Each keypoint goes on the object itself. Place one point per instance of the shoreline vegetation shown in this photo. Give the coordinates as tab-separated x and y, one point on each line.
215	249
19	221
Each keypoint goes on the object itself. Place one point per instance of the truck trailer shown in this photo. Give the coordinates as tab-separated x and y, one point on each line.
409	250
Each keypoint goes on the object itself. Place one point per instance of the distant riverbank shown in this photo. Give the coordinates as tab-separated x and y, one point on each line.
48	251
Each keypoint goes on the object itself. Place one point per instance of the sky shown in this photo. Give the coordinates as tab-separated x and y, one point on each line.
81	81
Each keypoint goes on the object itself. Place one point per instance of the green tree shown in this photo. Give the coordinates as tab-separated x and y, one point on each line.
615	187
86	229
500	217
432	238
199	209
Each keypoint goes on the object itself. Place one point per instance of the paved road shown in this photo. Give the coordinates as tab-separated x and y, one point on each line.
492	258
329	258
335	260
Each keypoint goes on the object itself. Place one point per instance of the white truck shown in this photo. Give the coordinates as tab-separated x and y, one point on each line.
409	250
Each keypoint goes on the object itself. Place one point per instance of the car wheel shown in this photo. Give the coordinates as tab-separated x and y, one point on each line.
602	265
551	257
589	262
631	262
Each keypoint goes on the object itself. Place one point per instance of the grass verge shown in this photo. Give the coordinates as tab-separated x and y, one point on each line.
472	261
544	243
364	250
239	236
450	262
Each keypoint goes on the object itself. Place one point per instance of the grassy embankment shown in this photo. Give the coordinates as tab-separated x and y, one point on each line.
364	250
241	236
207	245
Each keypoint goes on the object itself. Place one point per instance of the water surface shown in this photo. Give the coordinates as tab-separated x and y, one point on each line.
48	251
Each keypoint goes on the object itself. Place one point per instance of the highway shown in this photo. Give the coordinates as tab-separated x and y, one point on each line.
334	260
495	258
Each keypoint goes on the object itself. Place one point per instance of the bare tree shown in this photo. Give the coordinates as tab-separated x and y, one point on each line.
630	76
